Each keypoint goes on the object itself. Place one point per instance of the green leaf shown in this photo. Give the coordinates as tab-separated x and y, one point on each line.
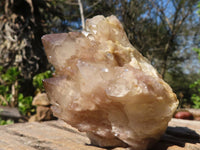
25	104
11	74
3	89
37	79
1	68
6	122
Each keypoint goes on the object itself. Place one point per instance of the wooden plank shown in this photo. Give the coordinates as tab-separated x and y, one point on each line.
9	112
53	135
180	135
57	135
191	124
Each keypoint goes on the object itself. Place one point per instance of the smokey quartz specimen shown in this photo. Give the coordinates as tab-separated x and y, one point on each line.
103	86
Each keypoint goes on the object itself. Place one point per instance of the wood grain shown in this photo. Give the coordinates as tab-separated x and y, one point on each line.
57	135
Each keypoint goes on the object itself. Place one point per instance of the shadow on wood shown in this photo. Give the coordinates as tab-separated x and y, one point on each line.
57	135
179	138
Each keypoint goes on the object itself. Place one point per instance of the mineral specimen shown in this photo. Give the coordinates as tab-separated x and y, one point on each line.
105	87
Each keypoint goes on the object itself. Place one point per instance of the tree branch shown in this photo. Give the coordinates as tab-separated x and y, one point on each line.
81	13
93	5
163	14
71	3
3	99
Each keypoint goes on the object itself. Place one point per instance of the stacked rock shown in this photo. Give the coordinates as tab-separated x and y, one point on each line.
43	111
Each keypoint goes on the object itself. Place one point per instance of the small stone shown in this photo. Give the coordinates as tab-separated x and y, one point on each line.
41	99
184	115
44	113
33	118
105	87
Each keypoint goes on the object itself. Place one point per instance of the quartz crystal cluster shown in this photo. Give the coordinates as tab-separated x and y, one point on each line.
103	86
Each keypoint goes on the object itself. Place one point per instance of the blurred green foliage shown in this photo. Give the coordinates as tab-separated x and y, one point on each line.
25	105
198	7
37	80
10	75
196	97
196	85
8	78
6	122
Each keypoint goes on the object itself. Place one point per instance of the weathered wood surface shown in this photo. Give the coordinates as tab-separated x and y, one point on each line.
8	112
57	135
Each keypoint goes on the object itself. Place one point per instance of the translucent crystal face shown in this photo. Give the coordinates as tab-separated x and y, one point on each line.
105	87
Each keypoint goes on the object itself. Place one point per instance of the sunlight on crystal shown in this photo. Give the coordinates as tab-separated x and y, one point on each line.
103	86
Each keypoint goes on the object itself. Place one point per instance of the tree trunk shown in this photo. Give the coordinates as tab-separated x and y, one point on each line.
164	63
